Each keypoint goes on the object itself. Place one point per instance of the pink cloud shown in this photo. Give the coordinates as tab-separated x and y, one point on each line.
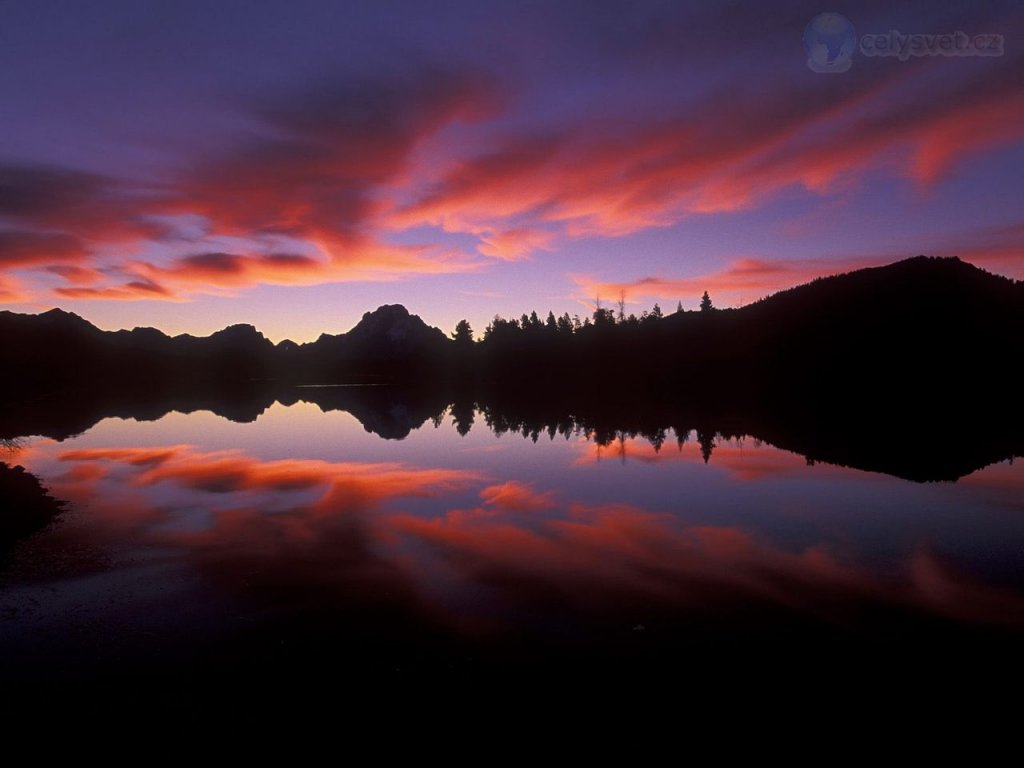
342	169
516	496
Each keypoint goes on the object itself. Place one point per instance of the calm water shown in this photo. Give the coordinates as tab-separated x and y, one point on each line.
302	543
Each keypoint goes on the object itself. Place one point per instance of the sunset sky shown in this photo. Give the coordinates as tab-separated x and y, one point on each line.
188	165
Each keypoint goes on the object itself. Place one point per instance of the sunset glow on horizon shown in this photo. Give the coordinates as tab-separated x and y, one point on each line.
294	166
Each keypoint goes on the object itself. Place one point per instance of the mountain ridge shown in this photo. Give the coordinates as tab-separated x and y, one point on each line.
916	312
394	312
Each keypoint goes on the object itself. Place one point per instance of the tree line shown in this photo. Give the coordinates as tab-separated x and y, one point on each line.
566	325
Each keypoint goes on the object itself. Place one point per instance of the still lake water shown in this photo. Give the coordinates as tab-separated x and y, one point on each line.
195	543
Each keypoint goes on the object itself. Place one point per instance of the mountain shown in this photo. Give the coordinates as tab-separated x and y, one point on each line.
908	369
57	350
923	329
386	343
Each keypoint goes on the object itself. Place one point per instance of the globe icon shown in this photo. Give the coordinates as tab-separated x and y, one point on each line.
830	41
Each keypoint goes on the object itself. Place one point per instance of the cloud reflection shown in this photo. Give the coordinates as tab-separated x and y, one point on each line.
297	525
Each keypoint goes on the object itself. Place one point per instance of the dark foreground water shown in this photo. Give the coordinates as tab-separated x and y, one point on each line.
200	561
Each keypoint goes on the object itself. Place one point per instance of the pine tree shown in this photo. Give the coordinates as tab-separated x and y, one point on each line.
463	333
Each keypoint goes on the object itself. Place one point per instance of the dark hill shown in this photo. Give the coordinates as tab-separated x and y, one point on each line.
939	323
919	329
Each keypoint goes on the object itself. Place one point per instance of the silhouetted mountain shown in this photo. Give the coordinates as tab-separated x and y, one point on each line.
924	347
387	343
57	350
922	321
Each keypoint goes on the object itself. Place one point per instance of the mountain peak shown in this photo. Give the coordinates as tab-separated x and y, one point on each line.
241	335
237	330
386	319
60	315
392	327
387	311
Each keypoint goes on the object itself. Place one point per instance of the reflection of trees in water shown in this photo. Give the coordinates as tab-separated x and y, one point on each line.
568	426
707	443
839	432
463	414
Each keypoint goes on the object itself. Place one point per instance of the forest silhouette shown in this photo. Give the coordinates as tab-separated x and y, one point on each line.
907	369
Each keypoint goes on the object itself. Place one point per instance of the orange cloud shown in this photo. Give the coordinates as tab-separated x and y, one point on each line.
730	153
20	249
970	127
593	559
218	273
339	171
11	290
517	497
318	175
514	244
74	274
135	457
597	555
133	290
231	270
229	472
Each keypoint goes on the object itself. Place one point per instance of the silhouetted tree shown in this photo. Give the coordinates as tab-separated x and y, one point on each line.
707	443
705	303
603	317
463	415
656	437
653	316
679	307
463	333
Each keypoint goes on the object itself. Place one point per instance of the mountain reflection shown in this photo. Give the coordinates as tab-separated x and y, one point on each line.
944	449
302	545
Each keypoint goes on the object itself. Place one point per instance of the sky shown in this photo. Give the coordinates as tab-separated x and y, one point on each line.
189	165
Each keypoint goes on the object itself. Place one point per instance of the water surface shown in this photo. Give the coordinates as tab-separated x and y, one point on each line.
301	544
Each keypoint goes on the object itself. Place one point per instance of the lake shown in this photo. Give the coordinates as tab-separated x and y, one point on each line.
199	552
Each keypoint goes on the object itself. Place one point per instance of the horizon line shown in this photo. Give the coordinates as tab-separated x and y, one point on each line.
611	301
